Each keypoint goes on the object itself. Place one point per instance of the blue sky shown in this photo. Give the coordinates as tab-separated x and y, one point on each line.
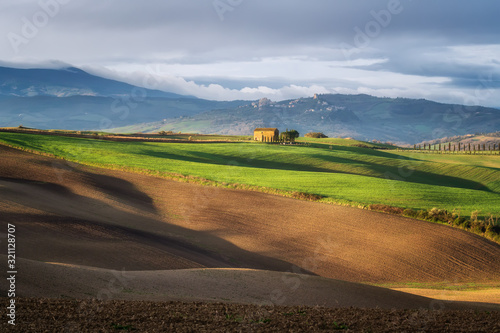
442	50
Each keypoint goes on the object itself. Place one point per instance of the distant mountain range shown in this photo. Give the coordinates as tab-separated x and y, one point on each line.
66	82
362	117
70	98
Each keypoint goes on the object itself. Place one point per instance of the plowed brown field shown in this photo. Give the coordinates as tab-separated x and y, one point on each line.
50	315
68	214
74	214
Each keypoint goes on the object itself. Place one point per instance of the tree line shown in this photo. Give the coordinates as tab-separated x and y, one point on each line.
469	148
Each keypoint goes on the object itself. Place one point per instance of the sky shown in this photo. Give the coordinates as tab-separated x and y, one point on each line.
442	50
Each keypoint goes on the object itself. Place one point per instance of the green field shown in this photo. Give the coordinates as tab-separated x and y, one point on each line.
316	142
340	173
206	137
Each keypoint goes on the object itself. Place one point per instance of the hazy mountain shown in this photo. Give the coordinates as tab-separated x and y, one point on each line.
66	82
362	117
70	98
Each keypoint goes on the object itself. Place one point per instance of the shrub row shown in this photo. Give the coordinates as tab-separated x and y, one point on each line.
487	227
317	135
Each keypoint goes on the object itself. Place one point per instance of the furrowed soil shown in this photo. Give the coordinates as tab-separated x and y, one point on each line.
86	232
49	315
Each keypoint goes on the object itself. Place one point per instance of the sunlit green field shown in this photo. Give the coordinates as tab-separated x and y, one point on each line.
340	173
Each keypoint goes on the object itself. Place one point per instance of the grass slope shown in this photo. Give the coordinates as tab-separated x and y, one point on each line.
340	174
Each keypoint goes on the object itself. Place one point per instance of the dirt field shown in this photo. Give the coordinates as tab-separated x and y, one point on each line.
42	315
73	214
167	236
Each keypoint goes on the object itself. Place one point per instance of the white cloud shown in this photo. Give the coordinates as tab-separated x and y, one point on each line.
277	49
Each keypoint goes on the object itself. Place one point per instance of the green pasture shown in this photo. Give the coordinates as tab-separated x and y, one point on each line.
340	173
315	142
205	137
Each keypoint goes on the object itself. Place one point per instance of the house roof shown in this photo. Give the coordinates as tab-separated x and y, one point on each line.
265	129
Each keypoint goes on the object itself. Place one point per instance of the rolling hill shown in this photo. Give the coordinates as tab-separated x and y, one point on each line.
71	214
83	227
98	246
343	174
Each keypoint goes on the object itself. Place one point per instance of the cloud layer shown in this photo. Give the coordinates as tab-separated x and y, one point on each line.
241	49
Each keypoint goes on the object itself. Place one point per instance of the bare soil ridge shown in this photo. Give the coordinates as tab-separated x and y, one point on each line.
243	286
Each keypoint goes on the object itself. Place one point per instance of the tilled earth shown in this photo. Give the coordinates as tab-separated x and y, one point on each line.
56	315
73	214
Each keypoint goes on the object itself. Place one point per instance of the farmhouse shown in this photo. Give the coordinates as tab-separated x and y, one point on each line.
267	134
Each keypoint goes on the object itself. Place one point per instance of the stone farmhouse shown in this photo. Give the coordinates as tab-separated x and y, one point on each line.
266	134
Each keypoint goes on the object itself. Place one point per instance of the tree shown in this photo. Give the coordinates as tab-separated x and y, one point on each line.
315	135
290	135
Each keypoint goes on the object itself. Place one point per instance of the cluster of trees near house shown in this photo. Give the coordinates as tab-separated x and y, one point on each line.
289	135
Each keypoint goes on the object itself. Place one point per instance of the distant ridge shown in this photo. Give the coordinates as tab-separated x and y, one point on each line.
474	139
65	82
363	117
70	98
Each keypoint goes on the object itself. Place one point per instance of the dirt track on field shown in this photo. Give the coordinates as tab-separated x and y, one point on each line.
85	232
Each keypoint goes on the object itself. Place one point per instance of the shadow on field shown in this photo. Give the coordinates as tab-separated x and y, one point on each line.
415	176
384	171
359	150
79	230
219	159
